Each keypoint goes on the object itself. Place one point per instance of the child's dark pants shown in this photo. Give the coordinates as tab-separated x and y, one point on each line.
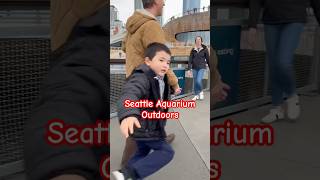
144	163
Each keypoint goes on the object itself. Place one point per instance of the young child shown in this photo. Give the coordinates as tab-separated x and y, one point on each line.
147	82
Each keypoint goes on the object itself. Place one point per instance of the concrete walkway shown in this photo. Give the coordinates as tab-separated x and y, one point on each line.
295	154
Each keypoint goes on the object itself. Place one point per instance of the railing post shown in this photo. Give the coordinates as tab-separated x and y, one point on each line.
317	58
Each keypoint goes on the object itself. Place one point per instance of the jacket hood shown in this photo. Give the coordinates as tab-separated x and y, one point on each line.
202	45
146	69
65	14
139	18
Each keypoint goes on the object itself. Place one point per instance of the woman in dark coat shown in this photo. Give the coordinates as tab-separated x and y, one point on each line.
198	61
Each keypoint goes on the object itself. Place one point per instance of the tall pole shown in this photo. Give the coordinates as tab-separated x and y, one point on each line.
138	4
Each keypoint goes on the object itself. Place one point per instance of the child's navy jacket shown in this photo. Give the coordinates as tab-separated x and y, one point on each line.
142	85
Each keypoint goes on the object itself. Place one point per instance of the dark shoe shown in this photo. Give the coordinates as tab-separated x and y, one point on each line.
170	138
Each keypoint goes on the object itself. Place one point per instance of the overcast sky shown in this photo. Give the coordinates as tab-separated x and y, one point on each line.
172	8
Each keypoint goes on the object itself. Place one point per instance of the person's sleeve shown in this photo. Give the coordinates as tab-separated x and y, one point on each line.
172	79
190	60
316	8
207	57
134	89
254	12
123	44
216	78
75	91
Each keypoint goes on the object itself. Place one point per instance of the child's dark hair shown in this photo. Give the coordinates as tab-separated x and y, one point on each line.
153	48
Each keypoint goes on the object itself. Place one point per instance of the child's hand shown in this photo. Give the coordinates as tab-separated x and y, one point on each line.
177	91
127	124
189	73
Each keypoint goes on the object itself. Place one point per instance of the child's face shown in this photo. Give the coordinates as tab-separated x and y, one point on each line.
160	63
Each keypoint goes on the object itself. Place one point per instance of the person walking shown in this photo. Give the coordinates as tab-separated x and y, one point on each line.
283	24
198	62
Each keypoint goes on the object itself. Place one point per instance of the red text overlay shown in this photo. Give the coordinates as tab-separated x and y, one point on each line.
159	104
60	133
105	168
229	133
215	170
158	115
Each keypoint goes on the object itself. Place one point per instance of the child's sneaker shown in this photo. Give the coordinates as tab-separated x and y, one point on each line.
201	95
274	115
293	107
124	174
118	175
195	97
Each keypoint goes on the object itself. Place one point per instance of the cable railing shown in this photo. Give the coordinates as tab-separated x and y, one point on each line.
24	16
177	49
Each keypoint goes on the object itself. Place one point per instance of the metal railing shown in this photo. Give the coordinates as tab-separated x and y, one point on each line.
189	12
253	83
177	49
24	4
24	16
24	23
24	64
117	79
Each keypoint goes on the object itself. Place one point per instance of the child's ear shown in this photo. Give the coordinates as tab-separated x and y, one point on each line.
147	60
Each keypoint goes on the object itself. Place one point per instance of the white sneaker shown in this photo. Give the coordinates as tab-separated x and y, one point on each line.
293	107
274	115
195	97
118	175
201	95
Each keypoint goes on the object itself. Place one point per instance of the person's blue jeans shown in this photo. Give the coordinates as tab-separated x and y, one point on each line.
144	163
197	80
281	42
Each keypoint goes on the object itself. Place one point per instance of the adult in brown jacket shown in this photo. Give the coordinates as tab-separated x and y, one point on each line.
142	30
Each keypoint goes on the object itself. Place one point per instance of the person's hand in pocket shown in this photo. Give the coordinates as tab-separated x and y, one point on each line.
252	38
189	73
220	91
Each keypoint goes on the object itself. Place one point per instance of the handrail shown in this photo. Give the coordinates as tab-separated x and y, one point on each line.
24	4
231	3
189	12
123	61
169	44
25	16
177	49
